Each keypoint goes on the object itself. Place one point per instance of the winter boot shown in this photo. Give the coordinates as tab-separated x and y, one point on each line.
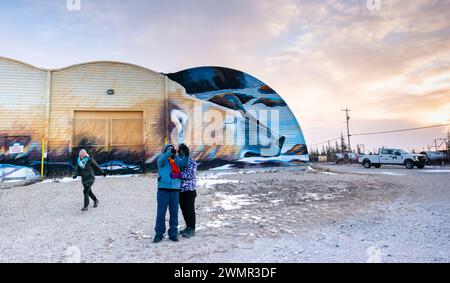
96	203
158	239
189	233
173	238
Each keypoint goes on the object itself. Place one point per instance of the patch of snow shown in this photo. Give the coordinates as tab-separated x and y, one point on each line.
328	196
231	202
13	181
216	224
392	174
140	235
200	227
276	201
310	169
318	197
281	158
122	176
216	175
233	171
313	196
63	180
224	167
209	183
21	173
381	173
206	209
70	179
261	160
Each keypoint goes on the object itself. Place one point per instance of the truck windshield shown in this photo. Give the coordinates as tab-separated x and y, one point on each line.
402	151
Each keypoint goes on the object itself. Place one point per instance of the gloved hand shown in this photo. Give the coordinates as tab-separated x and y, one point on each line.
74	177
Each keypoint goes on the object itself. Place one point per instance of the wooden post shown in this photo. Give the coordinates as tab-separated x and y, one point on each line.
44	149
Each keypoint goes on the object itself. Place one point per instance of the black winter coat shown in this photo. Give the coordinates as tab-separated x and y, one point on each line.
88	174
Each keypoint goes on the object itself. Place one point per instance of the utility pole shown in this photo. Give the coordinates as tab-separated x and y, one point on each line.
448	146
448	142
347	116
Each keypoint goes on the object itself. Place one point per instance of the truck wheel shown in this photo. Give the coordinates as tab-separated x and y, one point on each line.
366	164
421	166
378	166
409	164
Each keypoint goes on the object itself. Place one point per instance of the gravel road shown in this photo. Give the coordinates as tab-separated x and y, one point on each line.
328	214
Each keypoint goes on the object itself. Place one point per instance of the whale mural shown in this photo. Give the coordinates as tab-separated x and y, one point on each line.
246	95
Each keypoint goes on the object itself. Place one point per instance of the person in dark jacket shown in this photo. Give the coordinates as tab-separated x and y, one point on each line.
188	193
85	168
168	196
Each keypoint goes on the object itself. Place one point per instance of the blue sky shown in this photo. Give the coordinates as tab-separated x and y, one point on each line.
319	55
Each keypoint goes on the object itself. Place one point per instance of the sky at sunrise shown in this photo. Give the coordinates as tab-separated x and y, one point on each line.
388	62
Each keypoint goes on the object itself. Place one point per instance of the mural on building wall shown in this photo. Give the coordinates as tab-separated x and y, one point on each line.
251	99
228	118
19	157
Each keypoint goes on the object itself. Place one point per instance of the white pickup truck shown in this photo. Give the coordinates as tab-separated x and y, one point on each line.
390	156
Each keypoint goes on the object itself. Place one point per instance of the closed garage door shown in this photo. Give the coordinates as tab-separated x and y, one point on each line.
115	138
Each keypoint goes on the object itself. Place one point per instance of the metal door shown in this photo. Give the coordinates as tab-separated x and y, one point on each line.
115	138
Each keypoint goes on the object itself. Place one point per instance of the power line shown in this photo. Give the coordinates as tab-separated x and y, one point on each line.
323	126
327	141
402	130
384	132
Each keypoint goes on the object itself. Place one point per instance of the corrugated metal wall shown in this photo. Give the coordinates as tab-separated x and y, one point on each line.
84	87
26	92
22	101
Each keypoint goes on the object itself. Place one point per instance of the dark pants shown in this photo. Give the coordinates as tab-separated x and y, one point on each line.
187	205
88	194
167	198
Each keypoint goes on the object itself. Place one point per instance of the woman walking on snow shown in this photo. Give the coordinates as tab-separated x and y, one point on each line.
85	168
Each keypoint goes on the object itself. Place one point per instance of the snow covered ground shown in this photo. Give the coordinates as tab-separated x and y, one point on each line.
13	173
332	214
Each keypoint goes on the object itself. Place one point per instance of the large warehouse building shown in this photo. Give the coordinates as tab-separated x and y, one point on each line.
123	114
